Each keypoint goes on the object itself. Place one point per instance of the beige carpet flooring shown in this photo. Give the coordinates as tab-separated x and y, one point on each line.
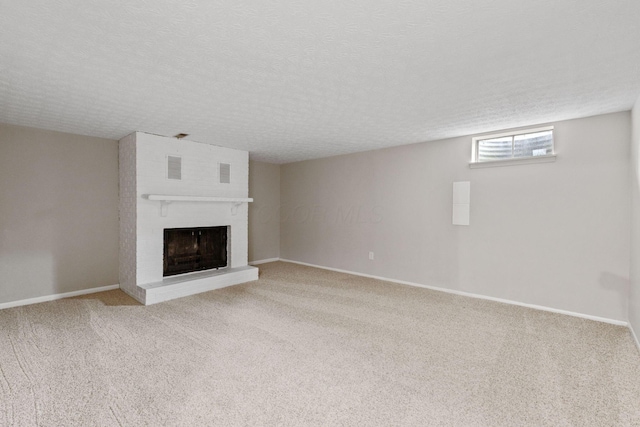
304	347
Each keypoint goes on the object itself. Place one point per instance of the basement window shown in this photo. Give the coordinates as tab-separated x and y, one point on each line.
510	148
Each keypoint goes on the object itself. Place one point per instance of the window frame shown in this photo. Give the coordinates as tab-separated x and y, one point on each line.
512	160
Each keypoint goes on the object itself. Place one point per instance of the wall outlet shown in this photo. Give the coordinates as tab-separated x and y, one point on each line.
371	255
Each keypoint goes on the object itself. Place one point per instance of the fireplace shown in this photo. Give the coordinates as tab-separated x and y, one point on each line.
157	255
194	249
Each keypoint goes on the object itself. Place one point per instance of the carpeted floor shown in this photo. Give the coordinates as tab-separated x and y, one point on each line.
305	347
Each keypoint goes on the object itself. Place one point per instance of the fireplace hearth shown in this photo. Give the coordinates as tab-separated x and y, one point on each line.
194	249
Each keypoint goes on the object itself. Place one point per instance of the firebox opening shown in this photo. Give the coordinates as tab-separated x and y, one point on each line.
194	249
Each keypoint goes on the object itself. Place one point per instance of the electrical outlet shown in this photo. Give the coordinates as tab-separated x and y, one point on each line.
371	256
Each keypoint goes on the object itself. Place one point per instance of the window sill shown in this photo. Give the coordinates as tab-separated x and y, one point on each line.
513	162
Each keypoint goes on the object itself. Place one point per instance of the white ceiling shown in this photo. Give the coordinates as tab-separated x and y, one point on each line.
290	80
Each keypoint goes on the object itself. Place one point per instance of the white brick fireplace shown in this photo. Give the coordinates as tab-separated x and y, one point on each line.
210	189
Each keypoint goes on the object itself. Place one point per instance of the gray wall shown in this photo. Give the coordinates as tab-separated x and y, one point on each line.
634	294
552	234
264	216
58	213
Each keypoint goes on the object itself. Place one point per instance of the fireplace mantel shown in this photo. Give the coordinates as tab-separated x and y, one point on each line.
165	199
176	198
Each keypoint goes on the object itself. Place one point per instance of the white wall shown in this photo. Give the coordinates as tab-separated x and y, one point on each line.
128	206
264	212
634	291
58	213
553	234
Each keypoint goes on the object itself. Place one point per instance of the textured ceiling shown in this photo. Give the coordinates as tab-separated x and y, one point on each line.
292	80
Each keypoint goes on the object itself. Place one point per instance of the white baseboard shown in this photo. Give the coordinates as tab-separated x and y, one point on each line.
54	297
635	337
468	294
264	261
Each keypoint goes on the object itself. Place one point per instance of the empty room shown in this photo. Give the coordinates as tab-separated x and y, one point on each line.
382	213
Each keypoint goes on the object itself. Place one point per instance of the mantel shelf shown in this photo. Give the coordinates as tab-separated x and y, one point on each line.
166	199
171	198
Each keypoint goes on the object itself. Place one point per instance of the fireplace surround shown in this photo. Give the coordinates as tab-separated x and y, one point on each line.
154	198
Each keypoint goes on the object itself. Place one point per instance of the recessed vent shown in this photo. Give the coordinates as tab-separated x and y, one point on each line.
174	167
225	173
